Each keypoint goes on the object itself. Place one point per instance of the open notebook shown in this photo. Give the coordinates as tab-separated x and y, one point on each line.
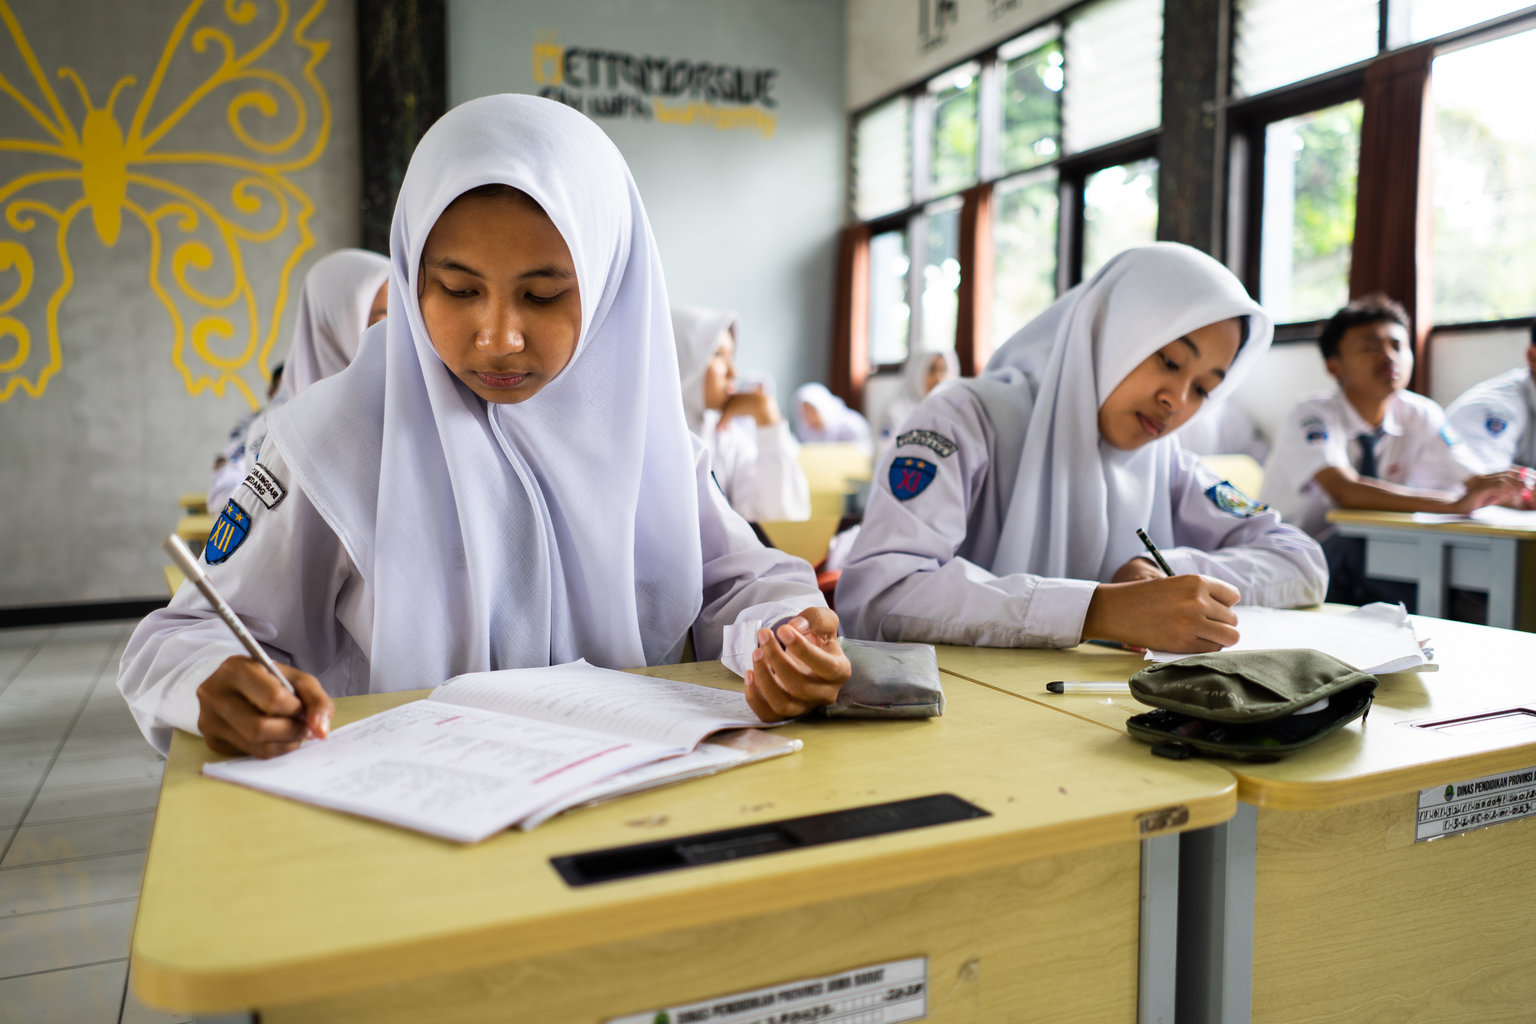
493	749
1376	638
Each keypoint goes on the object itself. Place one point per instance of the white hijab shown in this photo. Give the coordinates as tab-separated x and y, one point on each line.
509	535
838	422
698	338
334	303
914	373
1077	501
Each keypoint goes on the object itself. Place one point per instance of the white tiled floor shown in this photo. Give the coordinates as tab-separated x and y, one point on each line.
78	787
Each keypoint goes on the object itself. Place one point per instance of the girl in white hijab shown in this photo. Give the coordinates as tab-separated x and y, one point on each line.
343	294
822	416
923	371
1009	515
753	455
502	478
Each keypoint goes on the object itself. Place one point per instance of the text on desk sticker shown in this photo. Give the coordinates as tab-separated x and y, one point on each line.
887	993
1476	803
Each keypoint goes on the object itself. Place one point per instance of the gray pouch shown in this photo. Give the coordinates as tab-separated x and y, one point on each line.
889	681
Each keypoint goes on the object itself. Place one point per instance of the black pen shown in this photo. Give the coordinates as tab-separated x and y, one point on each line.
1157	556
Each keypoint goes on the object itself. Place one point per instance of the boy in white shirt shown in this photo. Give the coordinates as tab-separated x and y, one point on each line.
1496	419
1371	445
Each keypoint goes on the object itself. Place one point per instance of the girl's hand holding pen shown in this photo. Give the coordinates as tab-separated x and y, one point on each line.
799	667
1187	614
243	710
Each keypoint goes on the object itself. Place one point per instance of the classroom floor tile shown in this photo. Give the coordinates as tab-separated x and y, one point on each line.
78	788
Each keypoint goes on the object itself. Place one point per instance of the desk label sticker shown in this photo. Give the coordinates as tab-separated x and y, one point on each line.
888	993
1476	803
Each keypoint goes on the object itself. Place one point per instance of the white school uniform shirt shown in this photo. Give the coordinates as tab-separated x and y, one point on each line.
758	468
1000	509
1416	449
429	533
1496	421
304	599
928	577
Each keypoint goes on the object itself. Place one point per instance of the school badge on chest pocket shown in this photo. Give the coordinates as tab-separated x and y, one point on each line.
228	533
910	477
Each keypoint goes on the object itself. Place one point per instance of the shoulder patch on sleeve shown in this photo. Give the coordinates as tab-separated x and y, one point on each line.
1229	499
910	477
265	486
941	445
229	532
1495	425
1315	430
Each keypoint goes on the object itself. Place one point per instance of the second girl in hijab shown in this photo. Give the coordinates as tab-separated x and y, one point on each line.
1006	516
502	479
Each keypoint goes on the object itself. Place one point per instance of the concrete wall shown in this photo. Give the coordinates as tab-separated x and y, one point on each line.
105	417
746	209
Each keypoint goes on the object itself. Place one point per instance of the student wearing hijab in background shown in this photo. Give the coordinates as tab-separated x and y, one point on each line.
344	293
822	416
501	479
1008	515
750	447
922	372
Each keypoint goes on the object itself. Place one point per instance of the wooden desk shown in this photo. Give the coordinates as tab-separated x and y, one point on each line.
253	901
1469	555
194	529
1320	904
194	503
174	578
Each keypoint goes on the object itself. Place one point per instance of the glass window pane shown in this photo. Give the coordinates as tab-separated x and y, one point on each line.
1024	242
1119	211
1032	85
1430	18
888	310
955	129
1308	225
1484	153
1114	72
1277	42
882	159
941	274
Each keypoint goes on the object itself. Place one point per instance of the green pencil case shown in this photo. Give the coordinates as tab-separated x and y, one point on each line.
1248	705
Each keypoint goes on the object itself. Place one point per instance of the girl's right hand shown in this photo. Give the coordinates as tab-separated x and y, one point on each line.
243	710
1184	614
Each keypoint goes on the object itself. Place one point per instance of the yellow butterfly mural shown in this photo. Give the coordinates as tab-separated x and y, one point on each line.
207	174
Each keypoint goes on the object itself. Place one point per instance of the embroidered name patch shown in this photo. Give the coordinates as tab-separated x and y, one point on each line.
1315	430
1229	499
941	445
228	533
1495	425
264	485
910	477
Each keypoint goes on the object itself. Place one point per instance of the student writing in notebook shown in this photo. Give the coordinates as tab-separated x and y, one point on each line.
502	478
1007	515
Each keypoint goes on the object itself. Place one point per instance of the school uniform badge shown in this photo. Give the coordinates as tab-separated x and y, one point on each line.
1315	430
911	477
1229	499
941	445
1495	425
228	533
264	485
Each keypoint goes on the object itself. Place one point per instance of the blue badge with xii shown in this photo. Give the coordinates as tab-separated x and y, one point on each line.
910	477
228	533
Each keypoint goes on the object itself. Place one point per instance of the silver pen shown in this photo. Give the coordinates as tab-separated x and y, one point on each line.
183	557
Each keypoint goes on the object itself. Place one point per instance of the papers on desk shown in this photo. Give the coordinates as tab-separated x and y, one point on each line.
1377	638
493	749
1492	515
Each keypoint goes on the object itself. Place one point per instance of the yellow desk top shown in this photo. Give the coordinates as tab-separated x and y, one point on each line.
1405	521
250	899
1480	669
194	502
195	527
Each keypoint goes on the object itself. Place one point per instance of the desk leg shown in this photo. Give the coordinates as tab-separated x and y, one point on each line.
1505	556
1155	988
1215	953
1431	577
